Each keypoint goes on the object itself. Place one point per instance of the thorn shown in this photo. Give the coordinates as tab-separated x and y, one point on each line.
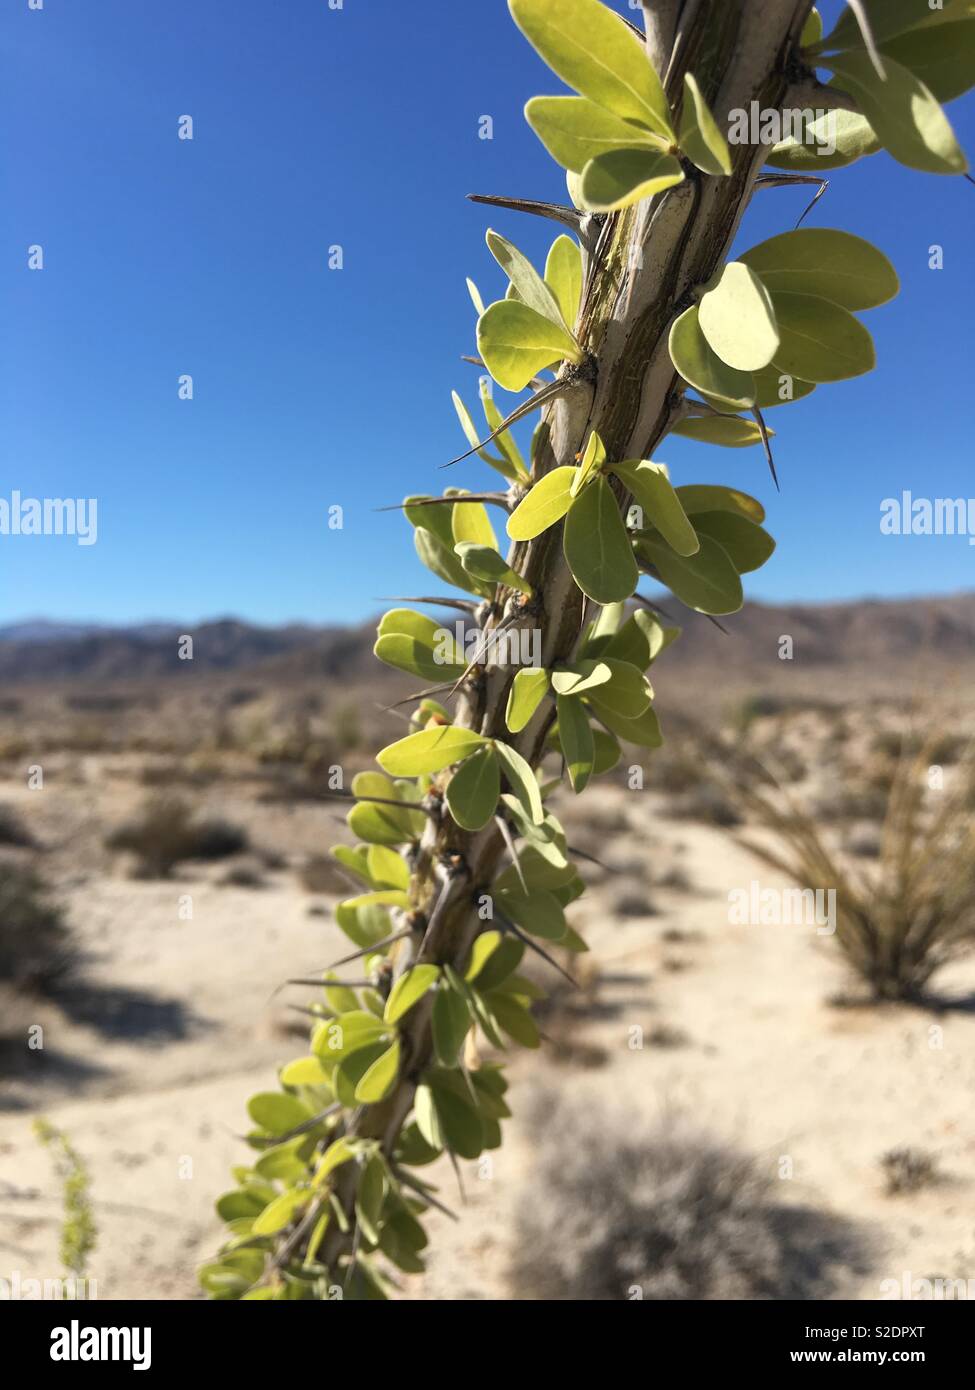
768	449
581	854
824	184
336	795
558	212
457	1175
465	605
510	846
536	383
499	499
549	392
365	951
421	1188
533	946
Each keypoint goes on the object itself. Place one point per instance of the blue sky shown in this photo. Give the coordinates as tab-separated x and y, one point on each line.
315	387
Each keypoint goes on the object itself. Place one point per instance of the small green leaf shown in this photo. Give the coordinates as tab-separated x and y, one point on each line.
820	341
596	54
812	30
575	736
514	1018
748	546
906	116
547	502
527	691
484	562
563	275
593	458
470	522
700	138
522	780
627	691
707	581
451	1024
774	387
530	287
730	431
661	506
574	678
575	130
822	261
644	731
516	343
514	465
440	559
304	1071
474	789
370	1195
620	178
279	1213
606	751
539	913
737	319
387	869
941	55
597	546
408	990
699	365
471	431
888	18
475	295
380	1077
831	141
459	1123
277	1112
431	750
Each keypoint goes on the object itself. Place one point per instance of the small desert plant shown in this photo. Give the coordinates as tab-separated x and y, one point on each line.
36	949
650	330
904	916
908	1170
166	832
614	1211
78	1229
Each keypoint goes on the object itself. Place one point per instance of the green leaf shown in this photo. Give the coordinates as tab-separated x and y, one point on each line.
774	387
575	736
473	791
563	275
812	30
707	582
575	677
522	780
620	178
606	751
516	343
341	1037
822	261
596	54
440	559
628	691
380	1077
575	130
700	138
906	116
451	1024
514	465
277	1112
475	295
644	731
304	1071
546	503
431	750
539	914
527	691
731	431
820	341
597	546
737	319
484	562
409	989
699	365
639	641
661	506
514	1018
415	643
888	18
707	497
593	458
469	521
471	431
370	1195
279	1213
539	871
831	141
459	1123
748	546
530	287
355	860
383	825
941	55
387	869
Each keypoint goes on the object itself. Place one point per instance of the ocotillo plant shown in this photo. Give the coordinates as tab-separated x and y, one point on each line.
648	330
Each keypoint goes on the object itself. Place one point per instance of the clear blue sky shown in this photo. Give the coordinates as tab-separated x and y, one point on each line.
314	387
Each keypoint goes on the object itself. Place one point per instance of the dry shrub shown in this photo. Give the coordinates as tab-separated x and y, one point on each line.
166	832
36	949
908	1169
616	1210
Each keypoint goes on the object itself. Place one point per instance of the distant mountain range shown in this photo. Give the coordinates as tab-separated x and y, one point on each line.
876	636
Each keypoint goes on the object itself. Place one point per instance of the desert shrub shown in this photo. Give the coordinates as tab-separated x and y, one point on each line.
165	833
908	1169
614	1211
78	1230
909	912
36	948
12	829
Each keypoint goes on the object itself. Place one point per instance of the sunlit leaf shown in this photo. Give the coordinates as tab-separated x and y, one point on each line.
470	522
700	138
516	342
387	869
528	689
430	750
593	458
596	54
484	562
661	506
451	1024
737	319
702	367
708	497
707	581
471	431
575	130
774	387
621	177
530	287
747	545
575	677
473	791
730	431
409	989
908	119
941	55
513	466
521	779
379	1077
547	502
575	736
832	140
563	275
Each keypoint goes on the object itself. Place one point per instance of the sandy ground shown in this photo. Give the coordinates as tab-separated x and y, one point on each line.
180	1028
